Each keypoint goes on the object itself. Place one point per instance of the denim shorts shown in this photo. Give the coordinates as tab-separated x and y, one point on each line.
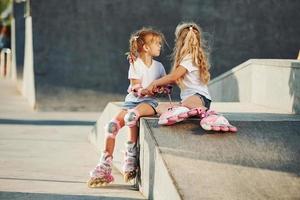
205	100
130	104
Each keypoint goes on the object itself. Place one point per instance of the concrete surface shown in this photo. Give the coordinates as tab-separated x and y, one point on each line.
267	82
46	155
261	161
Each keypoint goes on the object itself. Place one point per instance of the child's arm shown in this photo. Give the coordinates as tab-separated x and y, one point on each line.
134	81
136	87
168	79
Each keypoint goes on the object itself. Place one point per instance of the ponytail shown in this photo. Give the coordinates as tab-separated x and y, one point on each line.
189	42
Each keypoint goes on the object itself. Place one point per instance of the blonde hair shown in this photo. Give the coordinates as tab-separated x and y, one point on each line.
141	37
189	41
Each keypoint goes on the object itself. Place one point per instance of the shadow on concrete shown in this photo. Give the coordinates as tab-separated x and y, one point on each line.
294	84
40	180
258	144
231	94
47	196
113	186
225	88
47	122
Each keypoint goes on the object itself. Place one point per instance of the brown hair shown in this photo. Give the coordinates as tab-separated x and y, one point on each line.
141	37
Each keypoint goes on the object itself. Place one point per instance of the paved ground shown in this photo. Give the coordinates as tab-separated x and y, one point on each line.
46	155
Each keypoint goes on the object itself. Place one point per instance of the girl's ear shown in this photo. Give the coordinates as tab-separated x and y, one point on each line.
146	48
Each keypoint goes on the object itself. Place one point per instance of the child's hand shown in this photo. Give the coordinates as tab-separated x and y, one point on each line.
144	92
151	89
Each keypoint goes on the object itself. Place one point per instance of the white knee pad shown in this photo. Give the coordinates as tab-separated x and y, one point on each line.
131	118
112	128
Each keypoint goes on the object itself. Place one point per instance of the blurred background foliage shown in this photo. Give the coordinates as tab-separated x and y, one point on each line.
5	22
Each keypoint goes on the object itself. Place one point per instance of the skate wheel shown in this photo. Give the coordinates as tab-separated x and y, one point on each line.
91	183
128	176
206	127
232	129
224	128
216	128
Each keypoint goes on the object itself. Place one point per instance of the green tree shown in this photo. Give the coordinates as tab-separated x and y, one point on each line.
5	12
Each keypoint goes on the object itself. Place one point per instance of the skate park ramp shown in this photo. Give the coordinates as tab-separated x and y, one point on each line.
261	161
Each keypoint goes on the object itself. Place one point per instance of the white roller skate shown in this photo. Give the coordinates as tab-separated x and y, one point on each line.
130	162
101	175
173	115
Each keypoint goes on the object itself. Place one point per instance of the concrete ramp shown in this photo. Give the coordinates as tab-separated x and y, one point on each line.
261	161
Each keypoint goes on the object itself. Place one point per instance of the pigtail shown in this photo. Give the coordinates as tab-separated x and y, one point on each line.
133	46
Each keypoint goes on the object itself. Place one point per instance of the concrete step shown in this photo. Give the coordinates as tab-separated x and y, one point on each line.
183	161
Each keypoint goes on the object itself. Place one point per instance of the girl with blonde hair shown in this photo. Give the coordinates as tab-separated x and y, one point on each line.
191	72
144	44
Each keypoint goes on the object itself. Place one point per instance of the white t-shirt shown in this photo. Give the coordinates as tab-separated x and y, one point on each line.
191	81
138	70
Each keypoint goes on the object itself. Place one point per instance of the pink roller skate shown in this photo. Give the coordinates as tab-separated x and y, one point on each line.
130	162
178	114
216	122
174	115
101	175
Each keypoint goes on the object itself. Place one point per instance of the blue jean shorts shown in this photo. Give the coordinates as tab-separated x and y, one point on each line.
130	104
205	100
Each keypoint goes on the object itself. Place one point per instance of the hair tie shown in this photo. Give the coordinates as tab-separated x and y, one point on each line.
135	38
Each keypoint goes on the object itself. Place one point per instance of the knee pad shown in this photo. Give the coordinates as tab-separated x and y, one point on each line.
112	128
131	118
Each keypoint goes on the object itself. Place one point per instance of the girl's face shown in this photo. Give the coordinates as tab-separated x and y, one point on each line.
153	47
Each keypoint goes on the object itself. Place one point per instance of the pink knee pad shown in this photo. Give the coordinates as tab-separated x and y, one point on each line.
112	128
131	118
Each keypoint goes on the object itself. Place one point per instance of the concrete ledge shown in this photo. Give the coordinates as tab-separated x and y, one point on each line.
185	162
268	82
155	181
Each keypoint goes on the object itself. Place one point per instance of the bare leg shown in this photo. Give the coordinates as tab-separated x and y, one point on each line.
193	102
144	110
130	161
162	108
110	142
